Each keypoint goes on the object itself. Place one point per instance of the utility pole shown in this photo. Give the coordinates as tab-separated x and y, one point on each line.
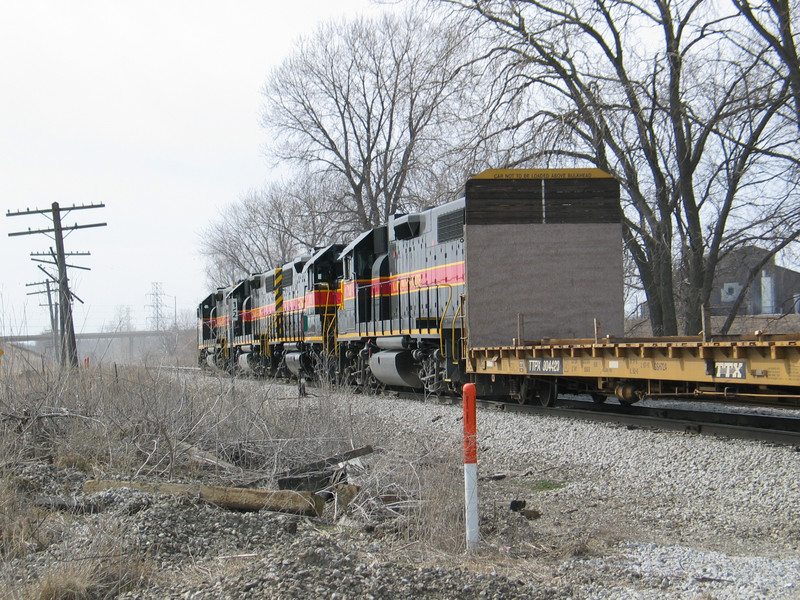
53	279
68	347
52	308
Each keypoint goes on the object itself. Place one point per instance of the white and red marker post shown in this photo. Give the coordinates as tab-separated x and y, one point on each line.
468	395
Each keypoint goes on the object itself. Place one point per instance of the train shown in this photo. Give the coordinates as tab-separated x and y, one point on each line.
516	286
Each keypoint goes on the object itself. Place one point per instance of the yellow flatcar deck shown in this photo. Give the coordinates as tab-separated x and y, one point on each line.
748	366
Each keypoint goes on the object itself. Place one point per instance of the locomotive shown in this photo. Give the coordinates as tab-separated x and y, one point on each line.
517	286
381	310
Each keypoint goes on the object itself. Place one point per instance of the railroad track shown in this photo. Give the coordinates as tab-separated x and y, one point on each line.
782	430
767	428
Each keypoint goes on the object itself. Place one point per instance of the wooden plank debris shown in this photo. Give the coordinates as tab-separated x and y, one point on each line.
298	503
68	504
319	475
309	482
327	463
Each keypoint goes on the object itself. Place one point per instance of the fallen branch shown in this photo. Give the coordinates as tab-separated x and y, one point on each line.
27	417
298	503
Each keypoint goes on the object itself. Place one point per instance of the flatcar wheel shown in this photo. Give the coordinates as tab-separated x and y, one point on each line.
548	392
598	398
524	392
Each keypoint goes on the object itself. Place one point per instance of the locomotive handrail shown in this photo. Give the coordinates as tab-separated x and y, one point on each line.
328	321
441	321
408	280
453	335
245	322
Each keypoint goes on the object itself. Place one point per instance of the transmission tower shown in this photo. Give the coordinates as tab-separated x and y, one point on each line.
156	307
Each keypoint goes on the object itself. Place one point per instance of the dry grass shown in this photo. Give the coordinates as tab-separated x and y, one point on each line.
413	494
23	528
104	568
143	423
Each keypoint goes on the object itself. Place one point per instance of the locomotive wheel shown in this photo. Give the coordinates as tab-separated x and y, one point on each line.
547	392
347	378
373	386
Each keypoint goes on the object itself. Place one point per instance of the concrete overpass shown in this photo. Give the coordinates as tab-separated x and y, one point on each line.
101	335
127	347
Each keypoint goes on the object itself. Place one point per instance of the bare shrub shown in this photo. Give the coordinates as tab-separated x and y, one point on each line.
266	427
412	494
411	487
143	420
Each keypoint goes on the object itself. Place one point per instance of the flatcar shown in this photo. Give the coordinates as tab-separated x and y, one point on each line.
517	286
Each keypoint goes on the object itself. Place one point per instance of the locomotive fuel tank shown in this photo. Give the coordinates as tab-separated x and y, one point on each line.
396	368
245	361
297	363
397	342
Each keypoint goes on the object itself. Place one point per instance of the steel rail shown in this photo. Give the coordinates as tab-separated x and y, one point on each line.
780	430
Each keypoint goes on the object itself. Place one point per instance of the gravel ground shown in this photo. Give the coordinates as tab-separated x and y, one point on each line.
610	512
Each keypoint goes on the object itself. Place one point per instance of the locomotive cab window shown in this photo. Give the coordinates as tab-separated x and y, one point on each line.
407	227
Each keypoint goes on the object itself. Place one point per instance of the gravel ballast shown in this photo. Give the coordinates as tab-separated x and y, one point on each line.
610	512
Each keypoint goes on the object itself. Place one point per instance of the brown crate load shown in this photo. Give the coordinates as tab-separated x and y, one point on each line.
543	255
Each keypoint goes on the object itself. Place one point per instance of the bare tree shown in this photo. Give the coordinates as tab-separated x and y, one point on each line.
239	243
772	22
370	114
658	94
374	105
767	37
266	228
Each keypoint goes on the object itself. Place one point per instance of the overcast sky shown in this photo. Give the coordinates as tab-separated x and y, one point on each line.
151	108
